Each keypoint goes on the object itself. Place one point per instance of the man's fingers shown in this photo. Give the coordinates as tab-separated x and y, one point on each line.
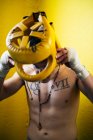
62	59
61	52
11	62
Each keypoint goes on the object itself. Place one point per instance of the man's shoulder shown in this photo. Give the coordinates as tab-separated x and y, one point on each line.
65	70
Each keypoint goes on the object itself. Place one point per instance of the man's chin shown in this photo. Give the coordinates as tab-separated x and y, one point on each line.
45	80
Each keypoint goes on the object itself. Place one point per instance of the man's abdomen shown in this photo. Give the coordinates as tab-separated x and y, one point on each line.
61	133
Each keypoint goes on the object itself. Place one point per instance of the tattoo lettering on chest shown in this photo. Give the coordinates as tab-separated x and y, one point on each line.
60	85
56	86
35	87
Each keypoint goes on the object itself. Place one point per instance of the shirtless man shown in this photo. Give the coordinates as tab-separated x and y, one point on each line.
53	102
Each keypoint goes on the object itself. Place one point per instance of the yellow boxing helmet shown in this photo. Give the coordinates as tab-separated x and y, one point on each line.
23	52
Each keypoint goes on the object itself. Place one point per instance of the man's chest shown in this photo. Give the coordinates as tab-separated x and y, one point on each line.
56	93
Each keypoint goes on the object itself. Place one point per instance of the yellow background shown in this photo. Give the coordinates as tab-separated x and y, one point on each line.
73	22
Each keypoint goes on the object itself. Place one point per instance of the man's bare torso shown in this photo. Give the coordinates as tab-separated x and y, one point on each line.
53	113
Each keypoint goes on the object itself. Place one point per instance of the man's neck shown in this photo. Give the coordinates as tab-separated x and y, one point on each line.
51	76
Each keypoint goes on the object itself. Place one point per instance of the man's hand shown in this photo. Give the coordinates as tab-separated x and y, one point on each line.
6	62
62	55
70	56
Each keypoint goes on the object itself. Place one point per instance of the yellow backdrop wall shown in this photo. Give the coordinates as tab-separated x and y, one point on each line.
73	22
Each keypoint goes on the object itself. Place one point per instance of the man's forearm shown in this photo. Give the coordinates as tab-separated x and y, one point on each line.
84	76
86	87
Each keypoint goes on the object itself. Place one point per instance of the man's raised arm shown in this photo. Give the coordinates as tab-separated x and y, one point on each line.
10	86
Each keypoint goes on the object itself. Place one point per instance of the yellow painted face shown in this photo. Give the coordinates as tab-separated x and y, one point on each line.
28	44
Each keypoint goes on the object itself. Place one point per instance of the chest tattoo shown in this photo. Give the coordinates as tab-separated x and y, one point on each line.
57	86
35	87
60	85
